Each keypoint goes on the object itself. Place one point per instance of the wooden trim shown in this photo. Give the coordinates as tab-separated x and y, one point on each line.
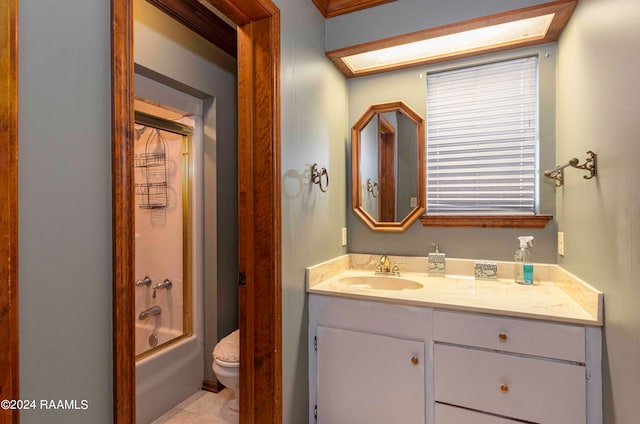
356	193
122	123
212	386
386	170
562	9
195	16
331	8
9	381
486	221
245	11
259	204
259	208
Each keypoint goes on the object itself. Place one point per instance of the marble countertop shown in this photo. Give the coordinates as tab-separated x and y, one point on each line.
556	295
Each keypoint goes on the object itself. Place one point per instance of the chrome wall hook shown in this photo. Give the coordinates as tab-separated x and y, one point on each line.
316	177
590	165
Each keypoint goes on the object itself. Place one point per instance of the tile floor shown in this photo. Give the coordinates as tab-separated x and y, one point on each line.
202	408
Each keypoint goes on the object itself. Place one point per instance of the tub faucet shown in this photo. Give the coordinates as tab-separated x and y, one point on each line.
166	284
152	311
146	281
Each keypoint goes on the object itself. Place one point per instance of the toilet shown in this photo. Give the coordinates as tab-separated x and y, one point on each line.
226	365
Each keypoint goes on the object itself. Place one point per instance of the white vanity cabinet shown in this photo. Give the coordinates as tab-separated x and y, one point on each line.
493	369
369	362
376	362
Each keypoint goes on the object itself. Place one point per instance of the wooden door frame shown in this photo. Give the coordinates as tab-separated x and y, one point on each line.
386	170
259	204
9	380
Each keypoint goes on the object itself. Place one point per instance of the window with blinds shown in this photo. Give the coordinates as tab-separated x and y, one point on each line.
482	132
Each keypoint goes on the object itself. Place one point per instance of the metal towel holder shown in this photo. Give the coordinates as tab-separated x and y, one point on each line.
316	177
590	165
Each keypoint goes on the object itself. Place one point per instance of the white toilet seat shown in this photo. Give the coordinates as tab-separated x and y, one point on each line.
226	364
228	349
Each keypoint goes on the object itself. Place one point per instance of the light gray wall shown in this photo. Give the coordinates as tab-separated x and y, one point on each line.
598	103
410	87
314	129
405	16
183	60
65	208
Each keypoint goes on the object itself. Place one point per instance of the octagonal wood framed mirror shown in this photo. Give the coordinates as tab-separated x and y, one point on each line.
388	166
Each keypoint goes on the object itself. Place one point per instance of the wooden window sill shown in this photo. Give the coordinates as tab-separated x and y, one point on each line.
486	221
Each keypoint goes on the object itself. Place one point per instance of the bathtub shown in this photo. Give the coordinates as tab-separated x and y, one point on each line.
167	376
145	332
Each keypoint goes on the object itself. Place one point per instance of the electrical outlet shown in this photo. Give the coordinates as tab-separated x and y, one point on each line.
344	236
560	243
414	202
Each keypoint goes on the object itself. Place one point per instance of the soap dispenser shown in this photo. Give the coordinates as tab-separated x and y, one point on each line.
522	267
437	261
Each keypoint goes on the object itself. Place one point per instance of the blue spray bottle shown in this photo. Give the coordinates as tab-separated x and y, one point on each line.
523	267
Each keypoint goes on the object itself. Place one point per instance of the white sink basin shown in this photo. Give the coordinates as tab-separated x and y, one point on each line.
380	282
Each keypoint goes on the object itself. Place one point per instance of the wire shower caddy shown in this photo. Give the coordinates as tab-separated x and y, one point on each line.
153	191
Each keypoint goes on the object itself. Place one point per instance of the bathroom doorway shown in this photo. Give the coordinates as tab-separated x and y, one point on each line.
259	204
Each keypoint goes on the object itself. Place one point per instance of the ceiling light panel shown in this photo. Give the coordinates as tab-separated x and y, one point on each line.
480	38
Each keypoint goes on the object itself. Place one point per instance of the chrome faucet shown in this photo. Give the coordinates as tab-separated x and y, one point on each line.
166	284
152	311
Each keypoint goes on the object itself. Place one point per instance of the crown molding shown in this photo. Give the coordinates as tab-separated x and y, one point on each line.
331	8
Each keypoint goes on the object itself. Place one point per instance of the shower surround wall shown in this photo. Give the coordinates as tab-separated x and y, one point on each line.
170	374
159	244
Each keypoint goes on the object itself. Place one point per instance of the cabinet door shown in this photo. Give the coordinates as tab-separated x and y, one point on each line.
365	378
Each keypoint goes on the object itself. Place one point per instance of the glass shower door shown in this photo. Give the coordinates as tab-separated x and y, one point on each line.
162	233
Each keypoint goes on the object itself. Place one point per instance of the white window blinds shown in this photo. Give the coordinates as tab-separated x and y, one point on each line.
482	135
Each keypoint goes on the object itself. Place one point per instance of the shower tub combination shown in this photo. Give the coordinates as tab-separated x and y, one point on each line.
168	344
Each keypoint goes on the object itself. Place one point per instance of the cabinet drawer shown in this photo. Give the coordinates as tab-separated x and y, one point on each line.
447	414
509	385
550	340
